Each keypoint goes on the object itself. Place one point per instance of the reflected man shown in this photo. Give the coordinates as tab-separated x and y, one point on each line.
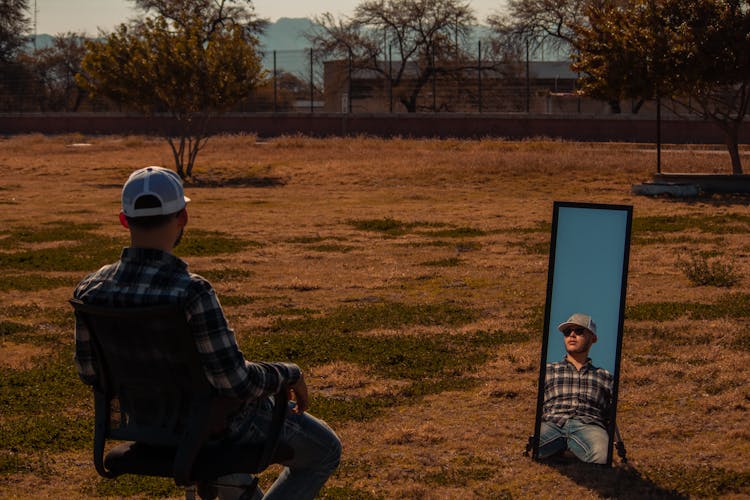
577	398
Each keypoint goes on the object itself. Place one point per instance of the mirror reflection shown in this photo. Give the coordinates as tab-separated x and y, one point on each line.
582	336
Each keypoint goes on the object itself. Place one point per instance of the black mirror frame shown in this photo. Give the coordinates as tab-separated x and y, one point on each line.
547	311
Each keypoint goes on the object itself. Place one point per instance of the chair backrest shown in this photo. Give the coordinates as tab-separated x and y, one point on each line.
146	362
151	385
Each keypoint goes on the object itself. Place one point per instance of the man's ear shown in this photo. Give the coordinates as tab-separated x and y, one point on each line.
124	221
595	338
182	217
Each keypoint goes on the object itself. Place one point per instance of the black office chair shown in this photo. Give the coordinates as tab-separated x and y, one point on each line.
153	394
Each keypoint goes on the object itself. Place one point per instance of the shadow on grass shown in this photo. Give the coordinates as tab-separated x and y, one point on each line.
620	481
229	182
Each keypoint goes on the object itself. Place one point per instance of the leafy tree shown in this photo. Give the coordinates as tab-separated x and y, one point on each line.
693	51
192	63
534	24
14	27
420	33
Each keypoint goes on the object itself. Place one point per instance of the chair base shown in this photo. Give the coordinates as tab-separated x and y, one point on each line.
212	462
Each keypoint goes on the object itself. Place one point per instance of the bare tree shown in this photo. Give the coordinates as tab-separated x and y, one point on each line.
401	41
52	71
217	14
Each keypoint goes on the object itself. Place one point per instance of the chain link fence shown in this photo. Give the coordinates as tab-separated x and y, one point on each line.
305	81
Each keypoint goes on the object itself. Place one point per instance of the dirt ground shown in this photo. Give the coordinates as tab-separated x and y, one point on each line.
684	396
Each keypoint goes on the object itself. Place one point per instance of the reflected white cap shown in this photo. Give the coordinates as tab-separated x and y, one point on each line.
579	319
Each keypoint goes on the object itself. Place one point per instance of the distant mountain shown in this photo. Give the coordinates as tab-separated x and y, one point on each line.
42	42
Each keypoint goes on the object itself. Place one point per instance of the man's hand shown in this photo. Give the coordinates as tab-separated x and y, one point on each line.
298	393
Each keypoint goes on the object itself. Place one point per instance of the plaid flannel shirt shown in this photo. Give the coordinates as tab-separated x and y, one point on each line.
584	394
145	277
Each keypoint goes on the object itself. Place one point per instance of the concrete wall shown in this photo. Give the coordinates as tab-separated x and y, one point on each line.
574	127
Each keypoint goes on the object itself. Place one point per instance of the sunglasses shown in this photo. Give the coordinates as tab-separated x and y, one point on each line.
578	331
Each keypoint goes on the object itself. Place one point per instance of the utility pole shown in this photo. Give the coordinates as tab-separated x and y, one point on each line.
36	13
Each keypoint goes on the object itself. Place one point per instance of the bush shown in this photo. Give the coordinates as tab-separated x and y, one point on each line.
699	271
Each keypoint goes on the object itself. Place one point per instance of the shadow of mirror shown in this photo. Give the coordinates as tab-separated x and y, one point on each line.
583	318
622	482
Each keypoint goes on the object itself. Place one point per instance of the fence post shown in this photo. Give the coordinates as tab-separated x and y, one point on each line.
349	89
390	79
275	107
312	85
479	75
528	79
434	84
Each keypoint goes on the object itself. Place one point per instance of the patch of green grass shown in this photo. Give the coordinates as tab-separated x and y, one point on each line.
468	246
12	462
285	311
8	328
387	226
424	358
700	272
657	311
359	409
461	472
717	224
671	239
49	232
458	232
359	318
332	247
43	407
345	493
449	262
32	282
539	227
735	305
93	250
432	243
43	317
201	243
671	336
141	486
236	300
534	319
306	240
97	251
226	274
701	481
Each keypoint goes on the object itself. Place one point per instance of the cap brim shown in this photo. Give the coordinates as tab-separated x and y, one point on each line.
563	326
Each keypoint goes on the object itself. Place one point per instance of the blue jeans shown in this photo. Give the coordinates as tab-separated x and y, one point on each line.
317	452
588	442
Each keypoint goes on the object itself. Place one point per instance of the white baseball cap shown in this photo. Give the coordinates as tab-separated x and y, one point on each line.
579	319
162	186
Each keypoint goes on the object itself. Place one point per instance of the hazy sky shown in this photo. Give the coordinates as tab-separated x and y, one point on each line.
59	16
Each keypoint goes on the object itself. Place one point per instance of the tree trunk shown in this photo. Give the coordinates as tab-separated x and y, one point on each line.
732	135
410	104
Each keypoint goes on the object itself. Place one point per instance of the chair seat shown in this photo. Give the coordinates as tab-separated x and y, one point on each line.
212	462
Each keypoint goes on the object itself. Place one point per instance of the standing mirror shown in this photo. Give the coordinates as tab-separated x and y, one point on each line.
583	320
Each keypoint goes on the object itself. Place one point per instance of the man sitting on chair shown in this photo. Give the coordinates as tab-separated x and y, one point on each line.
577	398
148	273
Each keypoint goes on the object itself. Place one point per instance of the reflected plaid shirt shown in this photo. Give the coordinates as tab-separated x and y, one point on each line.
152	277
584	394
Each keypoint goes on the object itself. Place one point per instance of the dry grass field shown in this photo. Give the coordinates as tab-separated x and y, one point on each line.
407	278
